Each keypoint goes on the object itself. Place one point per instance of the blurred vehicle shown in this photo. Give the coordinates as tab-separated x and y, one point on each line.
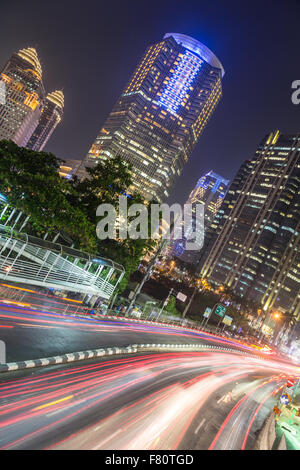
227	333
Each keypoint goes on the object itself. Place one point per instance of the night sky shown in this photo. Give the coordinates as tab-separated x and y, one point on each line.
90	49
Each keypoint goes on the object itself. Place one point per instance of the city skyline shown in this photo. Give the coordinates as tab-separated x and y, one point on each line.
255	247
250	107
150	228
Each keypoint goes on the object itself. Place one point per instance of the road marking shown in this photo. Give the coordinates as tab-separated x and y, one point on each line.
202	422
53	403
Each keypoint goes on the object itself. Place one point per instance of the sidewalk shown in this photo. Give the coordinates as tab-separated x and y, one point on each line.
289	424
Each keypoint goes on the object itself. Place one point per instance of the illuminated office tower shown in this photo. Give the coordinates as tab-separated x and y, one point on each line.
256	250
161	113
68	169
24	94
210	191
51	116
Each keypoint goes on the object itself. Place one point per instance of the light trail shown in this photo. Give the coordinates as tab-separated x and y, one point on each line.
151	401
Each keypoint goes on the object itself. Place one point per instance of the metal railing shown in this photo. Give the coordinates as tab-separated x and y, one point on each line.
31	260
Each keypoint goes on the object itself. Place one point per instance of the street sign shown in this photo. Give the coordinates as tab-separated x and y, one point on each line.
285	399
290	383
227	320
181	296
207	312
220	310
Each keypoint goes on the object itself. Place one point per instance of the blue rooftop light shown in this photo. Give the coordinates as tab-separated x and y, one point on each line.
198	48
180	82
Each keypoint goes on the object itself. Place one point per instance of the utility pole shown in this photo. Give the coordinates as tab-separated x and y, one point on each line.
212	311
189	304
165	303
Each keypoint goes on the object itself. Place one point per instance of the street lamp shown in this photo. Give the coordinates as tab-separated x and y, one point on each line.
276	315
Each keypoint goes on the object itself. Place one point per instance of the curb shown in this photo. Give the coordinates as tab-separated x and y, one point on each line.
267	435
65	358
89	354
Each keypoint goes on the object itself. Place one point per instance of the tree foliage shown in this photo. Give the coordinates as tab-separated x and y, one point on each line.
31	182
171	306
104	184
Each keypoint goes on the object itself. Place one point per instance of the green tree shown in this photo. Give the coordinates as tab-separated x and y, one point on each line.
105	183
31	182
171	306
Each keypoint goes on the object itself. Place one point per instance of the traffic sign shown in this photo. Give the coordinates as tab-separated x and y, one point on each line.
207	312
285	399
181	296
290	383
227	320
220	310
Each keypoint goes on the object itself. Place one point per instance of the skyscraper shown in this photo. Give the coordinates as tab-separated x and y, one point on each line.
210	191
51	116
256	250
67	169
24	95
161	113
27	115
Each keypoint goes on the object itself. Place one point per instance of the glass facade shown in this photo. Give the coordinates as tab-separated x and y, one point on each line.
24	95
255	248
210	191
27	115
161	113
51	116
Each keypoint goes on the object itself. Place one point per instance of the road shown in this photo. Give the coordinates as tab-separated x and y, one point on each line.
208	400
35	333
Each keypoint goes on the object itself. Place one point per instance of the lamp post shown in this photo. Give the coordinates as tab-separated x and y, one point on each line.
276	315
165	303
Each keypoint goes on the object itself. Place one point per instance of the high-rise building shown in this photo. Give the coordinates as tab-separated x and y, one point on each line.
24	95
210	191
51	115
27	115
68	169
256	249
161	113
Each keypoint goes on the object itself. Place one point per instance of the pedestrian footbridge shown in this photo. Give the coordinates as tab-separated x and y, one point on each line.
34	261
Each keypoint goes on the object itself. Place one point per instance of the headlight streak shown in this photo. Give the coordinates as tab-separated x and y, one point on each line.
253	418
231	414
169	415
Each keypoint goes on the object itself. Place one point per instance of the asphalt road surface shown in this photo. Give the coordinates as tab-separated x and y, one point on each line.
208	400
35	333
